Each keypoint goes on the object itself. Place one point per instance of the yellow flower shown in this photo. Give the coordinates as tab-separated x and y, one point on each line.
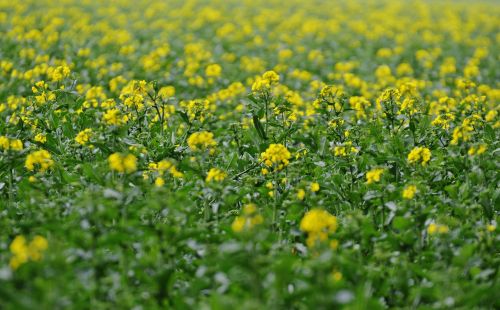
301	194
419	155
336	276
159	182
276	156
203	140
83	136
477	150
264	82
122	163
41	159
16	145
238	224
433	229
36	247
248	219
22	251
40	138
10	144
318	224
491	115
4	143
59	73
314	187
213	70
374	175
166	92
216	175
409	191
163	166
114	117
271	76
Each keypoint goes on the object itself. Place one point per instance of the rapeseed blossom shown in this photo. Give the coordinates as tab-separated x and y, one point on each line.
40	160
248	220
201	141
83	136
374	175
124	163
434	228
10	144
409	191
276	157
264	83
23	251
318	224
215	175
419	155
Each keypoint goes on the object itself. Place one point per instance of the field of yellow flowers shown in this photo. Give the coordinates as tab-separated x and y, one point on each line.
253	154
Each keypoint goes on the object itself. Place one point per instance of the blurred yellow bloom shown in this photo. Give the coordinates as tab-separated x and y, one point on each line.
409	191
301	194
23	251
216	175
83	136
276	156
248	220
122	162
318	224
39	159
374	175
203	140
420	155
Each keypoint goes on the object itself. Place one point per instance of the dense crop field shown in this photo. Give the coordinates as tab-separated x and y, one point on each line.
249	154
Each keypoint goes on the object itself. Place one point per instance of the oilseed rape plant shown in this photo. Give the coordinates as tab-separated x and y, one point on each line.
167	154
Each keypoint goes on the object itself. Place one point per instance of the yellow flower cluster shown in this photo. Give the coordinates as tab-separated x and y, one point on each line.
40	137
477	150
301	194
58	73
263	83
213	71
434	228
198	109
331	94
166	92
83	136
216	175
318	224
250	218
360	105
122	162
344	149
419	154
409	191
275	157
23	251
10	144
201	141
374	175
314	187
165	165
114	117
464	131
40	159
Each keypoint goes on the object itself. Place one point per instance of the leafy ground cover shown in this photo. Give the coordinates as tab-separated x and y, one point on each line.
249	154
